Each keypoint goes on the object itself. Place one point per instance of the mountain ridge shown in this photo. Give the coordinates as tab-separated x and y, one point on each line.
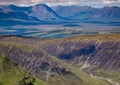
44	12
76	12
65	13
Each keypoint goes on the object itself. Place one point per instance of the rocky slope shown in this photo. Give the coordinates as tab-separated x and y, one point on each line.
98	54
42	65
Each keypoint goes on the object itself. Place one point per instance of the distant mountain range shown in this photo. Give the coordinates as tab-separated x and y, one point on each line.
42	12
37	12
88	13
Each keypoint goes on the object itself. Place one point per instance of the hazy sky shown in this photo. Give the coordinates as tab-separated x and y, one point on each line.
96	3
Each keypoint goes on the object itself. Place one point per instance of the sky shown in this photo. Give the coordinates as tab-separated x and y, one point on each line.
94	3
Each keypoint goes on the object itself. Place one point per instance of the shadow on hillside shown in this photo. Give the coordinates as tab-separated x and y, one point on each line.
83	51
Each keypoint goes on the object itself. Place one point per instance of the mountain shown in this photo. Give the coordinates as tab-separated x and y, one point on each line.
33	15
43	12
15	12
88	13
42	65
107	13
14	15
73	12
10	8
38	12
60	13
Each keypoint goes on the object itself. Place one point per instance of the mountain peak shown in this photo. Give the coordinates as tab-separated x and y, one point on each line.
44	12
41	5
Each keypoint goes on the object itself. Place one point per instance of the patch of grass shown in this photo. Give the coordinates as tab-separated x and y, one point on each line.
39	82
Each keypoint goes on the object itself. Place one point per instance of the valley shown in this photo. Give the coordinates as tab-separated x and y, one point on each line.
58	31
37	20
43	44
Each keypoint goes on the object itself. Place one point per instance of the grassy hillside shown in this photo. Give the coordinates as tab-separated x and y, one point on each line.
12	74
43	65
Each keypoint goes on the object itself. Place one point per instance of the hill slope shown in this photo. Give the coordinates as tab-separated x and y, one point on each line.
98	54
83	46
42	65
12	74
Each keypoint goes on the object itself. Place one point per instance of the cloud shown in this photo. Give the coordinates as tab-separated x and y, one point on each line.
110	1
63	2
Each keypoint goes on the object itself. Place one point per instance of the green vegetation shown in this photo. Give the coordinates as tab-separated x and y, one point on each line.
39	82
10	73
13	74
